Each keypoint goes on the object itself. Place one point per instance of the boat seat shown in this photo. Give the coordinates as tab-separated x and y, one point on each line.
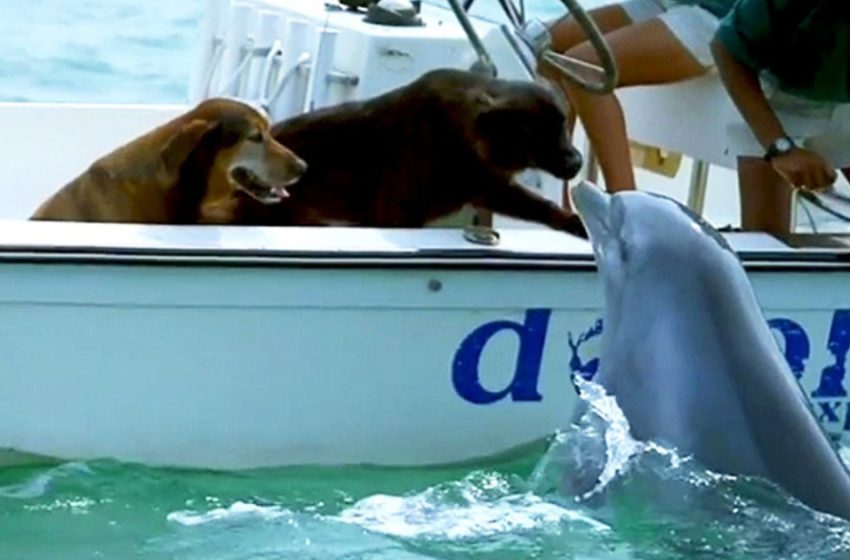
696	118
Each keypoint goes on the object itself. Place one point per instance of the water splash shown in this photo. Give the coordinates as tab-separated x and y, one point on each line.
482	505
641	489
40	484
597	452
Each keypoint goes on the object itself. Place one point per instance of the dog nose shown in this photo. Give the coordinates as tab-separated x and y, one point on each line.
573	162
300	166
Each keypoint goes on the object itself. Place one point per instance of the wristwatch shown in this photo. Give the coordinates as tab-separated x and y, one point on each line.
780	146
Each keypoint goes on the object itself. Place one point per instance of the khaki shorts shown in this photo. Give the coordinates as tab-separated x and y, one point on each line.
693	26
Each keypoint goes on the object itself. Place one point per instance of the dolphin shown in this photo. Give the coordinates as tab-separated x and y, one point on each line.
688	355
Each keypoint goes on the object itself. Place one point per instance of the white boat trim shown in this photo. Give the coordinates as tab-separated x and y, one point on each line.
354	247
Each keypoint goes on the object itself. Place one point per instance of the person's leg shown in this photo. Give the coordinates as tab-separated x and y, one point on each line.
765	197
646	53
566	34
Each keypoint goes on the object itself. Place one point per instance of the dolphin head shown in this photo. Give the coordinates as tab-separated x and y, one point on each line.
637	234
663	269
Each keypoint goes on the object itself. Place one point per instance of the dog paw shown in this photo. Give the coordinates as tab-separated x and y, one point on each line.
574	226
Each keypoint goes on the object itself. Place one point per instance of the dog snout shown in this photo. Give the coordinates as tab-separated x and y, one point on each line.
299	166
572	163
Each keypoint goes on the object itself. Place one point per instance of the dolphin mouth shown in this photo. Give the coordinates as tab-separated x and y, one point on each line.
594	208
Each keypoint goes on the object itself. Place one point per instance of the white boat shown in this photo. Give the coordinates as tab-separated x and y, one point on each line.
234	348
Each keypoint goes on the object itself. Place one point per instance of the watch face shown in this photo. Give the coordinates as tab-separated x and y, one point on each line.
783	145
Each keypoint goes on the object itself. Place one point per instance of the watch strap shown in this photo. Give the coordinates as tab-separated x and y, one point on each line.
774	149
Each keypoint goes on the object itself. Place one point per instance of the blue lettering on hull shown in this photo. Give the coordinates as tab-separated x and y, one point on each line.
830	394
523	387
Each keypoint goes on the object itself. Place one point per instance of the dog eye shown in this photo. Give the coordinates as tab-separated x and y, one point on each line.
256	137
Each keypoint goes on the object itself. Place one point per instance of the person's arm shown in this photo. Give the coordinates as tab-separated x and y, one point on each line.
800	167
746	92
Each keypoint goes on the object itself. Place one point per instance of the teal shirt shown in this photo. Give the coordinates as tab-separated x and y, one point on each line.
717	7
802	46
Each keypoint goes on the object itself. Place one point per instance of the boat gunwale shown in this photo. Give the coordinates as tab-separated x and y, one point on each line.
775	261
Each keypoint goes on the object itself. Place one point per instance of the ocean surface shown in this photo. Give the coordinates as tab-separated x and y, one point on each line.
96	50
593	494
109	50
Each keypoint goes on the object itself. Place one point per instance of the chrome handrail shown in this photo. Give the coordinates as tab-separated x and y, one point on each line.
514	15
484	64
571	68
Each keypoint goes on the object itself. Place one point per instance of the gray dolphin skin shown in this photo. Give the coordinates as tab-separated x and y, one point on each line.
688	355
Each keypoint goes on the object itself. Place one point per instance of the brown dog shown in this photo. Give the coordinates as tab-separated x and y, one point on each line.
423	151
185	171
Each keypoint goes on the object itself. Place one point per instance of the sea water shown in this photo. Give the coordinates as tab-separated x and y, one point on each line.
107	51
594	493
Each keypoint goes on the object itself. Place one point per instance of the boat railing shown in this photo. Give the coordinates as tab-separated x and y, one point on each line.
535	36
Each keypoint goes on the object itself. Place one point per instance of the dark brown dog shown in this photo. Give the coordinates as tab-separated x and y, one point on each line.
188	170
423	151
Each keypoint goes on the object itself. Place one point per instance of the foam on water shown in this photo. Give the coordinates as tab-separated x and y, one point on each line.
431	515
239	512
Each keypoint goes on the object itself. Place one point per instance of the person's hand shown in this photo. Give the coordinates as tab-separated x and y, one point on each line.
805	169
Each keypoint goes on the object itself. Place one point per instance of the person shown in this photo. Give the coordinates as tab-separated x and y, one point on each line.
786	65
653	42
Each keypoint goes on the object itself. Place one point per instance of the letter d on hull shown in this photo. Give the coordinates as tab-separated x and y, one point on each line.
523	386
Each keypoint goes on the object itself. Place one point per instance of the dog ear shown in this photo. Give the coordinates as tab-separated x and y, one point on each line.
483	101
480	99
501	119
492	110
185	140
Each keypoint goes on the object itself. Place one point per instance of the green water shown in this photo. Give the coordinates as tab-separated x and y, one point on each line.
653	505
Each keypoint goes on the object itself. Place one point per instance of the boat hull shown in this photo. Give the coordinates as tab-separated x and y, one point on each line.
387	357
236	368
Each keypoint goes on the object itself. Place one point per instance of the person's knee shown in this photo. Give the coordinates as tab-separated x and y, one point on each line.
566	33
545	70
585	52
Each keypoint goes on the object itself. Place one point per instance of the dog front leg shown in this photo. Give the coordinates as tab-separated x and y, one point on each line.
517	202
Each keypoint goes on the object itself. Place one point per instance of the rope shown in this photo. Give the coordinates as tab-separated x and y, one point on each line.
809	217
269	99
215	60
247	54
816	200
